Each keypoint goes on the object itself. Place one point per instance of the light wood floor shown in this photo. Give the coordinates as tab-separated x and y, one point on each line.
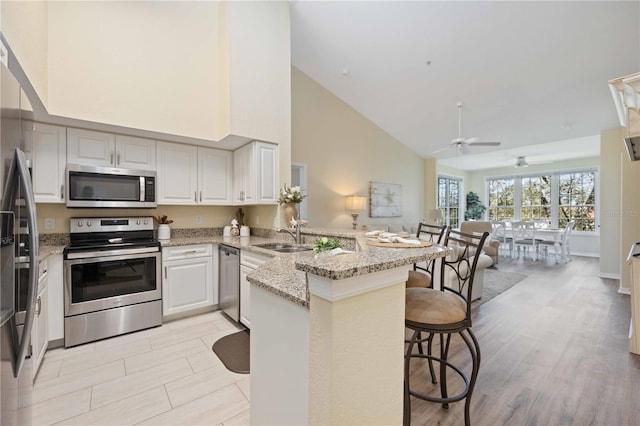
166	375
554	352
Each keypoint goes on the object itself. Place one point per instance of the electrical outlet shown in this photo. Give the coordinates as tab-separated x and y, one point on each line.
49	223
198	220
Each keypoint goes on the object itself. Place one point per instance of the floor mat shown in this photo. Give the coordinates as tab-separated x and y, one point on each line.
233	351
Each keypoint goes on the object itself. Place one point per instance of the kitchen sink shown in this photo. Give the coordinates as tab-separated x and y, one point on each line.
283	247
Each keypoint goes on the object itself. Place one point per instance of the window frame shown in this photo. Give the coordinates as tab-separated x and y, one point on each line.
461	197
554	196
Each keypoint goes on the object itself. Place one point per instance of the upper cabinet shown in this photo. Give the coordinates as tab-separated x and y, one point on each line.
190	175
48	147
108	150
255	174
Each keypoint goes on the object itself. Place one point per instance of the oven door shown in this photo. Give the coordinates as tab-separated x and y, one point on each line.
97	283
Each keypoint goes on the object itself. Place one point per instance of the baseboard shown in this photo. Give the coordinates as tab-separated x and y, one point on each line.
623	290
609	275
584	254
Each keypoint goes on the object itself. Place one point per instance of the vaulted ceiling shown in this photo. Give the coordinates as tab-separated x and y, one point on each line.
527	73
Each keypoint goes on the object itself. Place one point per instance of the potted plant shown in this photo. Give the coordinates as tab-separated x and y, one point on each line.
475	208
289	197
164	232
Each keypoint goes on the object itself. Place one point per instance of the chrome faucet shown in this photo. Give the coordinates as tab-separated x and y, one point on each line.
297	236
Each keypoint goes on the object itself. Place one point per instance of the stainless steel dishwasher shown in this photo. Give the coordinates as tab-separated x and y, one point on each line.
229	296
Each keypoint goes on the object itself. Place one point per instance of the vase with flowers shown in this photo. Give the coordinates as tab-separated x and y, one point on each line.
289	197
164	232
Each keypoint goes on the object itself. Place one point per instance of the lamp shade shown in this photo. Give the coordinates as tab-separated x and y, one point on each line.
435	214
355	202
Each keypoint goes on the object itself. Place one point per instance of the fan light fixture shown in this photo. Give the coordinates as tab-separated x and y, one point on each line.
521	163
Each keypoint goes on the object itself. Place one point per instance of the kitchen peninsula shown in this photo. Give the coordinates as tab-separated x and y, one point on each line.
333	354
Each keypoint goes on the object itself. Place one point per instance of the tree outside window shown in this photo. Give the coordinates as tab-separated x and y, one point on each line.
536	198
577	200
501	199
449	200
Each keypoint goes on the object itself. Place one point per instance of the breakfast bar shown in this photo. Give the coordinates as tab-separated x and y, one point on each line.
330	334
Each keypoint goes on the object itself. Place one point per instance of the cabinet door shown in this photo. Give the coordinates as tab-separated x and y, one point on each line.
245	292
187	285
243	175
214	176
55	279
49	155
266	155
39	333
177	173
135	153
91	148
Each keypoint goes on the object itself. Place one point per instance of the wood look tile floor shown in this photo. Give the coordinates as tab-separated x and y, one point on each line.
554	352
166	375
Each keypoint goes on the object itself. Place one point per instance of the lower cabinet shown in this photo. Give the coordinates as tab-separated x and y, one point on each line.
188	279
40	328
55	290
248	262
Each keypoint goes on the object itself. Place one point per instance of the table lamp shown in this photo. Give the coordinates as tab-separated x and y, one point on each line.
354	204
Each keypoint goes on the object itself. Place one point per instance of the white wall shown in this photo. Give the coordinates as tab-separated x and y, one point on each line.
344	152
145	65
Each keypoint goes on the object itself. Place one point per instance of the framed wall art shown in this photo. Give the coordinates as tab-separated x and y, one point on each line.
385	199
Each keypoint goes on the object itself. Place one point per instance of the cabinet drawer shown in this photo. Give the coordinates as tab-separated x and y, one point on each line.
252	260
186	252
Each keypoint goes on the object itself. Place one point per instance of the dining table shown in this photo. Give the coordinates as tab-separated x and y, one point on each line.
546	233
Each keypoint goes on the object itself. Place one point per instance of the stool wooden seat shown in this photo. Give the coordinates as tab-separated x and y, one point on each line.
443	312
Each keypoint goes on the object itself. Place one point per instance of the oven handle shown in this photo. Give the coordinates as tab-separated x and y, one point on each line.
107	253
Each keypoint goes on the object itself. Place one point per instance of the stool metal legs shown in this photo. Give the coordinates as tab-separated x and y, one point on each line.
474	349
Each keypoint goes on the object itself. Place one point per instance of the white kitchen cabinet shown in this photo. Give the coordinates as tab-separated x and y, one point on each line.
47	146
190	175
40	328
107	150
248	262
187	279
177	174
255	174
56	299
215	176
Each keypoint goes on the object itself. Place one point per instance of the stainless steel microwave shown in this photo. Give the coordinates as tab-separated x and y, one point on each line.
89	186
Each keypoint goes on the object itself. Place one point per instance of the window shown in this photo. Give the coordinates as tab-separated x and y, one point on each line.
555	197
449	190
536	198
501	200
577	200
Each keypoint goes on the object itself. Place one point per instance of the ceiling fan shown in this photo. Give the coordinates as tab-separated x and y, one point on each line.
521	162
463	144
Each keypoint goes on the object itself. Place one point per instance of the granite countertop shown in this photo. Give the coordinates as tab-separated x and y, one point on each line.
285	274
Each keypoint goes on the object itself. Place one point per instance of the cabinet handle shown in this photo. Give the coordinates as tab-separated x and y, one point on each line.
118	158
195	196
165	272
62	192
38	306
111	158
190	252
200	195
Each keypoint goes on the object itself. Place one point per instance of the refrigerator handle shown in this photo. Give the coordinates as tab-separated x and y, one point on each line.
34	250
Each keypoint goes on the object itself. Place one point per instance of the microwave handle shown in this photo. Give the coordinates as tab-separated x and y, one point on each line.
142	188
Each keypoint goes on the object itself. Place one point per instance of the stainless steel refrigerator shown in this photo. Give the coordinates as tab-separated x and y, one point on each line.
18	259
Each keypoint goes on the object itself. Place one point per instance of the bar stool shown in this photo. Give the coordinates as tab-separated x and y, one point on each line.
422	276
443	312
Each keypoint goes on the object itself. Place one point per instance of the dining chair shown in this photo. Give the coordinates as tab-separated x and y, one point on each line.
499	232
562	244
524	236
444	312
422	275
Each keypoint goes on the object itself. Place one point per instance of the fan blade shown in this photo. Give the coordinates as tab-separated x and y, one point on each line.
472	140
442	149
485	143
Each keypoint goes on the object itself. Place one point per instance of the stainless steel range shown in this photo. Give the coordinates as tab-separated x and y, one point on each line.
111	278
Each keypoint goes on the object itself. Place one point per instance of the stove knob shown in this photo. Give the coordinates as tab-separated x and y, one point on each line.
137	221
79	223
88	223
146	221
